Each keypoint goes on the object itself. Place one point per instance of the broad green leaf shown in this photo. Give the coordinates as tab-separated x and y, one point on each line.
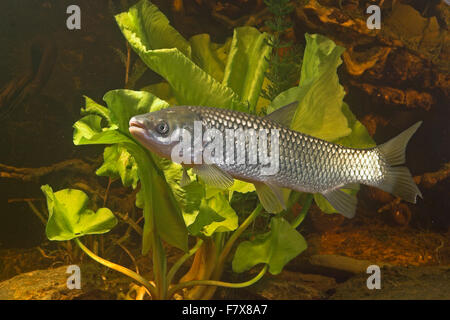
159	202
320	95
221	206
125	104
242	186
92	107
188	197
118	163
210	56
275	248
247	63
204	217
190	84
88	131
153	28
202	213
70	218
163	91
359	137
160	208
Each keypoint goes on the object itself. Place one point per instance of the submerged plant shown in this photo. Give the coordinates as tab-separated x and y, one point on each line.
200	72
286	57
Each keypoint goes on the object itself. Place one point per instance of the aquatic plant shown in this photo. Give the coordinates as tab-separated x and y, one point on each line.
285	60
200	72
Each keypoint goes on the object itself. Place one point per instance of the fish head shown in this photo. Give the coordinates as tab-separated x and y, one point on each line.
158	130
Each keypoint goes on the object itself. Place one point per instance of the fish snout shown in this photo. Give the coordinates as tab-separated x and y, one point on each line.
140	122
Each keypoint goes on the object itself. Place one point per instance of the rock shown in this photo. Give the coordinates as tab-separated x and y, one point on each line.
290	285
51	284
405	283
339	267
48	284
340	263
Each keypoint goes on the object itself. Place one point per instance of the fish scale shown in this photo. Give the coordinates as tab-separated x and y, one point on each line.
306	163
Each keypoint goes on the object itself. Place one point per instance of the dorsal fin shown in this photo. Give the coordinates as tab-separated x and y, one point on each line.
284	115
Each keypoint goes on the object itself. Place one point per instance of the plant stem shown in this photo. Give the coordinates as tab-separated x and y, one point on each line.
182	260
188	284
36	212
301	216
118	268
229	244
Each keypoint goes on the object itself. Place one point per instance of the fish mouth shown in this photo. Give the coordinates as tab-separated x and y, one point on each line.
136	124
137	128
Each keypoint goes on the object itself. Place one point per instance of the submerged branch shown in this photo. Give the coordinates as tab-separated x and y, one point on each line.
34	174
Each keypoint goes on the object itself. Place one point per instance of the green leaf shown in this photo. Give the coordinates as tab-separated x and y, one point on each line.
275	248
202	213
158	202
242	186
118	162
247	63
221	206
70	218
93	107
163	91
190	84
125	104
210	56
359	137
88	131
203	217
188	197
152	27
160	208
320	95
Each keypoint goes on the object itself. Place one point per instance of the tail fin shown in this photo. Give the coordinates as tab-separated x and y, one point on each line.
398	180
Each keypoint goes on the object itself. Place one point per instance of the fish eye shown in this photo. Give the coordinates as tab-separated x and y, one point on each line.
162	127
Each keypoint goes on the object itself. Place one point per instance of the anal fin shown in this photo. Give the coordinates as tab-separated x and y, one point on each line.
271	197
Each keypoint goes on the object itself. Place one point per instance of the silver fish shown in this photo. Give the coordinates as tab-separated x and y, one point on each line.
306	164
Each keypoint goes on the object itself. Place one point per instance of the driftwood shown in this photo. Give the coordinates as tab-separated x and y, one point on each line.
42	59
405	63
34	174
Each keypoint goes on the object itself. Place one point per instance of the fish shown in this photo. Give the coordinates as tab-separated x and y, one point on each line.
305	163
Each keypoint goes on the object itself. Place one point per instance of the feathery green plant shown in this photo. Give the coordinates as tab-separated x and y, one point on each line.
285	60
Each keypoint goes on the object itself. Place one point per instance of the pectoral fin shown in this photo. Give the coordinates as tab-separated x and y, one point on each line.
271	197
214	176
344	203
